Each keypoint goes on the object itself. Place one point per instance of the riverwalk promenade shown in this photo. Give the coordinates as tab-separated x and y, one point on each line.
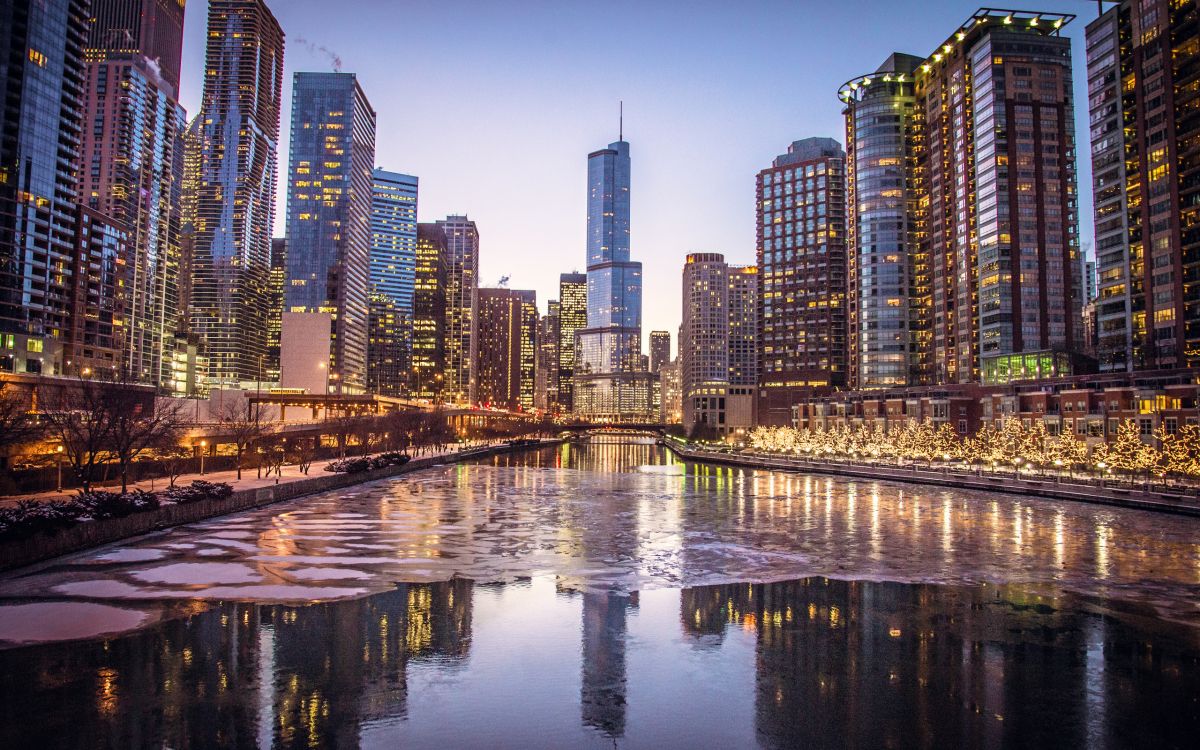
1059	487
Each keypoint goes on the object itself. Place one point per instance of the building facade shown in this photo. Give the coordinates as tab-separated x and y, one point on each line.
393	275
461	262
278	283
546	384
989	196
235	190
572	318
717	351
131	165
801	219
503	353
330	193
388	340
41	72
95	339
1142	58
660	349
887	272
427	376
609	382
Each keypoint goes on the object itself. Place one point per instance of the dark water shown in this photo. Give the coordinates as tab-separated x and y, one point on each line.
551	661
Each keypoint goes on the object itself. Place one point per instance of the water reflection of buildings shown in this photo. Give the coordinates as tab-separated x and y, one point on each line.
602	696
238	675
599	454
892	665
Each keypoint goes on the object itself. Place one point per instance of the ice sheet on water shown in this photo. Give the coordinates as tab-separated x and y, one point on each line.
198	573
46	622
644	530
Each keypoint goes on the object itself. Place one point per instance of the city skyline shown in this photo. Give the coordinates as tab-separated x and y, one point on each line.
458	176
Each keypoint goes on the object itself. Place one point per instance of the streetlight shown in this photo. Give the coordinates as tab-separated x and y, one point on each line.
203	450
58	453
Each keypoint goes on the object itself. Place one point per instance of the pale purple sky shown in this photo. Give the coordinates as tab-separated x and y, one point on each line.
495	105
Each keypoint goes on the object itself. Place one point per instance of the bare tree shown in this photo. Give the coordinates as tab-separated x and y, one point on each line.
17	427
366	429
400	427
137	428
342	429
303	451
241	422
175	460
79	415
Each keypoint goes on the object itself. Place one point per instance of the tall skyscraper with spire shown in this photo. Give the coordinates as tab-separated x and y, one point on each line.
610	381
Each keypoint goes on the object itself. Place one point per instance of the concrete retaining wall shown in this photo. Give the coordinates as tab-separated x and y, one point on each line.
89	534
1167	502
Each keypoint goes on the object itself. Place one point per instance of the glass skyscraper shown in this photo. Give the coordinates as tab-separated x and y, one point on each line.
610	382
41	73
131	165
572	318
394	236
230	247
329	213
393	275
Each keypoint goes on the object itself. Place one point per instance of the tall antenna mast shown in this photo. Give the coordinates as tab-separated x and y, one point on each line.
621	122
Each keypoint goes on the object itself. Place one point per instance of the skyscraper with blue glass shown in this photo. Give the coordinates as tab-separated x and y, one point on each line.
393	275
394	236
329	214
610	381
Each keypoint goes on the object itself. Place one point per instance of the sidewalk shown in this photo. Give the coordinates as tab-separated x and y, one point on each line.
250	479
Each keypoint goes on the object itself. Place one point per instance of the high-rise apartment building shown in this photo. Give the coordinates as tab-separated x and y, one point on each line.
189	201
660	349
671	393
394	235
717	345
387	351
572	318
393	274
278	283
427	376
609	381
990	202
888	299
545	389
235	190
130	165
503	351
461	262
330	193
98	318
1142	60
802	285
41	75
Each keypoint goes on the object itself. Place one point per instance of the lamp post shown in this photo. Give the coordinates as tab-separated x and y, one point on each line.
203	450
58	454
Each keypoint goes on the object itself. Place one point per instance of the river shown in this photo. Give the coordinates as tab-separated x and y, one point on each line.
610	594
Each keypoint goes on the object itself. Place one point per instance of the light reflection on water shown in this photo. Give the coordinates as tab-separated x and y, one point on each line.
813	663
591	617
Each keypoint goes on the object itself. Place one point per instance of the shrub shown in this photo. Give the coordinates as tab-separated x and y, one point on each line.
393	458
30	517
100	505
349	465
199	490
362	463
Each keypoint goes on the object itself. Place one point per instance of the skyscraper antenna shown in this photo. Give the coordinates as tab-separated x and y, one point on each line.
621	121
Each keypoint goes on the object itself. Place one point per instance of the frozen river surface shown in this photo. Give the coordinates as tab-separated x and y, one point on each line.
645	554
